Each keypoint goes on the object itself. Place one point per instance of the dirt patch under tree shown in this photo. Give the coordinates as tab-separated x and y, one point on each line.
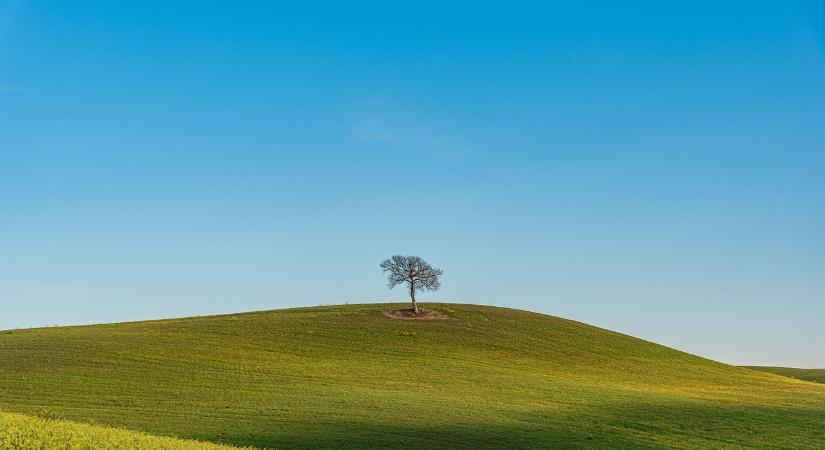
407	314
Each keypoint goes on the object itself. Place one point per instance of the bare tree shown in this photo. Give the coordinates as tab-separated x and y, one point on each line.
414	271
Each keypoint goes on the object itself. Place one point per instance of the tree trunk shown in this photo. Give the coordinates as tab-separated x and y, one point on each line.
412	297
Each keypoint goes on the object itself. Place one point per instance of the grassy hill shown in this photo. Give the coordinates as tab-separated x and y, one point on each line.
815	375
346	376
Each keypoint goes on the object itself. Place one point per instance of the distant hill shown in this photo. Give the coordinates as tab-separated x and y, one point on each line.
347	376
815	375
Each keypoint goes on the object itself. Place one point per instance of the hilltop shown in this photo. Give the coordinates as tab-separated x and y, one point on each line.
815	375
347	376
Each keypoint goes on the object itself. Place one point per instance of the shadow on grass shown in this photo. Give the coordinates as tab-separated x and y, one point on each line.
665	424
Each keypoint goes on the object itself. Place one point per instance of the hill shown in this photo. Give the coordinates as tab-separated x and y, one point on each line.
347	376
815	375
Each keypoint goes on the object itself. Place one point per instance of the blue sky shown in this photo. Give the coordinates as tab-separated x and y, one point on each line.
653	168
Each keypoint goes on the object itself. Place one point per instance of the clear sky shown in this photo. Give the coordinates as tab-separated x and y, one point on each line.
655	168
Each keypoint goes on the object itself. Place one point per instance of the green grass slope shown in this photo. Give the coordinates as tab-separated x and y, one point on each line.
23	432
345	376
815	375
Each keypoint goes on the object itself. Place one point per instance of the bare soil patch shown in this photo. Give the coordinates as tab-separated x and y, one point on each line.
407	314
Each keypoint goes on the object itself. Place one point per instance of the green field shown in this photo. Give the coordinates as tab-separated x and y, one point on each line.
345	376
23	432
815	375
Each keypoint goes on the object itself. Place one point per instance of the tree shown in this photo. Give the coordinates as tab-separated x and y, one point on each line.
414	271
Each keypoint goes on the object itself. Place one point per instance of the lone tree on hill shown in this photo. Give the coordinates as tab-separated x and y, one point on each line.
414	271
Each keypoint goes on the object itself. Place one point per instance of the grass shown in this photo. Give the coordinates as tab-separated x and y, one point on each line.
24	432
815	375
345	376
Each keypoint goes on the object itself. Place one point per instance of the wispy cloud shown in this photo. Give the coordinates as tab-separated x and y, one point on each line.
406	128
31	288
12	89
